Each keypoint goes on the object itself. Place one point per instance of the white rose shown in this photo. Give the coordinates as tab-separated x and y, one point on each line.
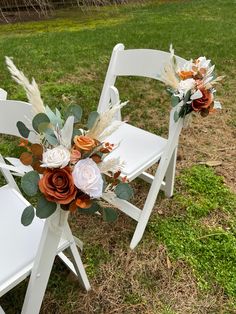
87	178
186	85
56	157
203	62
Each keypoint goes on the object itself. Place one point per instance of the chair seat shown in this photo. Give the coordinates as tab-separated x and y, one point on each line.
138	149
18	244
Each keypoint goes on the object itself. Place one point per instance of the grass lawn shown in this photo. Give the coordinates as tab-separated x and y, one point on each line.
186	262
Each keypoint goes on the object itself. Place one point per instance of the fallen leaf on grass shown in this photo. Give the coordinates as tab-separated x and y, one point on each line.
211	163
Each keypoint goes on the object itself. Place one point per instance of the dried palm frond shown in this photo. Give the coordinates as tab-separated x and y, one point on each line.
169	77
105	121
31	89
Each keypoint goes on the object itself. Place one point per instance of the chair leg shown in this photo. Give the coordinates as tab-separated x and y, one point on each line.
76	260
146	212
43	262
170	154
170	175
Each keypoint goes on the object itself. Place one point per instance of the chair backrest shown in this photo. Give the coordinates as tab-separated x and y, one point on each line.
12	111
147	63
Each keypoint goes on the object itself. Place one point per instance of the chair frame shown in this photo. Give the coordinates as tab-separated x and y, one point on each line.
141	62
56	237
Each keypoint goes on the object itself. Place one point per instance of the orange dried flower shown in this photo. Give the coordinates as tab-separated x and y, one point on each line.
83	201
185	74
85	143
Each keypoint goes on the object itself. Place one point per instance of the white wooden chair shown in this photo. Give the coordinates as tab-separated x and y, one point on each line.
138	148
29	250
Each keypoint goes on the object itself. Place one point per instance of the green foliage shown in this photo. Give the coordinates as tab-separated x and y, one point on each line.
74	110
45	208
29	183
124	191
55	118
174	100
23	130
40	118
109	214
209	250
176	116
50	138
92	118
27	215
91	210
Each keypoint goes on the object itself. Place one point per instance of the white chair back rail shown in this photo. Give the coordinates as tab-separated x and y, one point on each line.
145	63
12	111
133	62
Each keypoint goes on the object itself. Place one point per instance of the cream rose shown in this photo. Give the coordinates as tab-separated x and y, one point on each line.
87	178
57	157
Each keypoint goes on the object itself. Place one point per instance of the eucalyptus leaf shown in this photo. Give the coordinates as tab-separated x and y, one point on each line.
51	139
91	210
23	130
55	118
187	96
49	131
29	183
109	214
124	191
92	118
74	110
44	208
76	132
42	127
174	100
176	116
38	119
27	215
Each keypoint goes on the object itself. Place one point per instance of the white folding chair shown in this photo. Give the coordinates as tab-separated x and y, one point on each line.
138	148
30	250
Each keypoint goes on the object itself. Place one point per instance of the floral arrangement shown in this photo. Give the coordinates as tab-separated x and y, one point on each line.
68	166
193	85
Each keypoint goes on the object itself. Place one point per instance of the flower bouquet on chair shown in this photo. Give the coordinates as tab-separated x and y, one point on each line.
67	166
192	84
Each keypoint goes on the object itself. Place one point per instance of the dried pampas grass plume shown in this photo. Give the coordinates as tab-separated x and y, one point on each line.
31	89
105	121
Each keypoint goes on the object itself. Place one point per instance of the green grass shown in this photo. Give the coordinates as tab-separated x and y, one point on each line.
211	251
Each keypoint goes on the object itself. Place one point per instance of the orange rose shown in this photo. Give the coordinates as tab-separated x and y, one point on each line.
185	74
85	143
57	185
203	104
